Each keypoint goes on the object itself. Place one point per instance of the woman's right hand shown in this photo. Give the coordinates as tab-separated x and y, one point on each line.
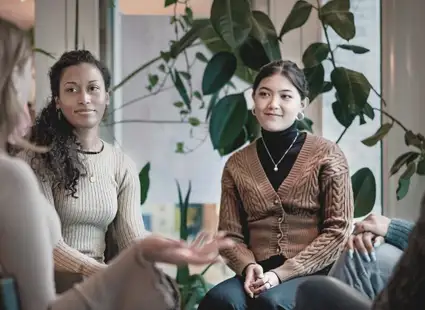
203	250
252	273
364	243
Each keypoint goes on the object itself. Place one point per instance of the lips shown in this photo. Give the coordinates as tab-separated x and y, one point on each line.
84	111
271	114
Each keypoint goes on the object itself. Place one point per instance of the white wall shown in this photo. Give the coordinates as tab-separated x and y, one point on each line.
403	75
54	32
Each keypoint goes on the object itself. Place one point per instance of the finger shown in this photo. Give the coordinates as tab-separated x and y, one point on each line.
259	282
247	288
350	246
367	241
200	239
359	246
262	288
378	241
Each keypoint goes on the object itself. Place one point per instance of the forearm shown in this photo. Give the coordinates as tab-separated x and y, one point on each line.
238	258
398	233
129	282
69	259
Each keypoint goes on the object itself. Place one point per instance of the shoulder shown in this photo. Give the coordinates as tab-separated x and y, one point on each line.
240	156
124	164
16	175
326	149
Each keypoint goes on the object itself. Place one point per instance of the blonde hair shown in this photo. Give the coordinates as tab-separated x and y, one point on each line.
15	51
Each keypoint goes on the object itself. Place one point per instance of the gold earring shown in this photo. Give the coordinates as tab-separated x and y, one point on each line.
253	111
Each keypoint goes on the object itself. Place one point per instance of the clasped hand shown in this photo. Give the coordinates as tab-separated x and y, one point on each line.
257	281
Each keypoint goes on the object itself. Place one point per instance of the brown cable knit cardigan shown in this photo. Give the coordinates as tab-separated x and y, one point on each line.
308	220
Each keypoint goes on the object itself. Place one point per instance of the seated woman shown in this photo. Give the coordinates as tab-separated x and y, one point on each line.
372	252
30	227
286	201
405	288
92	184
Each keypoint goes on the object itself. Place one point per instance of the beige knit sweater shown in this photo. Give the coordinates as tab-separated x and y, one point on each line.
308	220
110	193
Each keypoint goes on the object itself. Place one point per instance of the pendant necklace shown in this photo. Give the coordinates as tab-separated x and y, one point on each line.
286	152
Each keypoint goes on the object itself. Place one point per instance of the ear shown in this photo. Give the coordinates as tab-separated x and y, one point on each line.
305	103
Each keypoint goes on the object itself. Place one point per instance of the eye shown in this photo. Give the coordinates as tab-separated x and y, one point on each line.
286	97
71	90
94	88
264	94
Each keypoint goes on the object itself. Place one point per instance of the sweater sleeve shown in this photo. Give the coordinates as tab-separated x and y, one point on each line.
338	212
130	282
129	224
233	221
398	233
65	257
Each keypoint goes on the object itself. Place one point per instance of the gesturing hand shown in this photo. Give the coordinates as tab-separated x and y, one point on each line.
374	223
204	249
252	273
268	281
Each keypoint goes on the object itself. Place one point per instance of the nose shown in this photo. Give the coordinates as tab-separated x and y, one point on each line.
84	98
274	102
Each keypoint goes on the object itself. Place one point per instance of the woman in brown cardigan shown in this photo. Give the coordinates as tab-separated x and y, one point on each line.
286	201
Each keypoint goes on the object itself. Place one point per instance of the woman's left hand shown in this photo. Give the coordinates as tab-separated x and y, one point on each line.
265	283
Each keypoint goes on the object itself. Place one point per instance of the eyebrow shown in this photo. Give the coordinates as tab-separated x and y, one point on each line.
281	90
75	83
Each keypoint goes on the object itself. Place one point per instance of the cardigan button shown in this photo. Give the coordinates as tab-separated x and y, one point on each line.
276	202
280	219
277	250
279	235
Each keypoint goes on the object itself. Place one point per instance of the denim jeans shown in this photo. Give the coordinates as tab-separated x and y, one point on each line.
230	295
368	277
327	293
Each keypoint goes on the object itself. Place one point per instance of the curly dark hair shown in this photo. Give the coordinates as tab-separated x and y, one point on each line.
62	164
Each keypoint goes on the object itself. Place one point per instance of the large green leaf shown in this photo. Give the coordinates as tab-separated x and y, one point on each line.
264	31
297	17
215	44
336	13
252	127
252	54
184	206
412	139
342	114
403	159
420	169
232	20
144	182
218	72
315	78
364	191
404	180
227	119
352	88
315	54
378	135
236	144
169	2
354	48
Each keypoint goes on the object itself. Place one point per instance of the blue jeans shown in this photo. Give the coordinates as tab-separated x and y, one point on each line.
369	278
230	295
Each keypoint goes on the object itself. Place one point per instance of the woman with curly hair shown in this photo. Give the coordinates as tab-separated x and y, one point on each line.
93	185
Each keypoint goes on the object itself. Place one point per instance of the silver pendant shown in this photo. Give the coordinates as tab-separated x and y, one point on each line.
275	168
92	179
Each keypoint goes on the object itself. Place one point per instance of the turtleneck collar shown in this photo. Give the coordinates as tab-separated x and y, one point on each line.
278	140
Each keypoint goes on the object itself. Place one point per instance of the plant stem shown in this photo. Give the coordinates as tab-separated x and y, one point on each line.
332	56
341	135
147	121
392	118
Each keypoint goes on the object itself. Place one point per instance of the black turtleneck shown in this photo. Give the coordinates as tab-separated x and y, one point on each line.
277	143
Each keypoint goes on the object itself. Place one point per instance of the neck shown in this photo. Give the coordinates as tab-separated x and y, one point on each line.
279	137
89	139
